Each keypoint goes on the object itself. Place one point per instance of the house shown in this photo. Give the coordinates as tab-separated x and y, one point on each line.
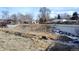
61	21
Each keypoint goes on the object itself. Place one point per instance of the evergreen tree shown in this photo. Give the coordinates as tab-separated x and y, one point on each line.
59	17
74	16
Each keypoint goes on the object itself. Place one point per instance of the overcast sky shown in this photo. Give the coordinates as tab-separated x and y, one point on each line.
35	10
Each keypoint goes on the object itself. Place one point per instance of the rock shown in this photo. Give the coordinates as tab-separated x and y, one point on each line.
42	37
18	33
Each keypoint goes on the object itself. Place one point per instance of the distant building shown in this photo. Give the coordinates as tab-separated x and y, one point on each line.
65	16
61	21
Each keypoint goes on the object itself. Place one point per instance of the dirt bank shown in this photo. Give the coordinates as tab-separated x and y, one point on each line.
9	42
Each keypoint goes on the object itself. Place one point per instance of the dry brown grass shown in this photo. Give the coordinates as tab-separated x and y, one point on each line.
33	27
10	42
30	33
26	37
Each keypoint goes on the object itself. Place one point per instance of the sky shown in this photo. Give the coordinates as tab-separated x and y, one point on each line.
35	10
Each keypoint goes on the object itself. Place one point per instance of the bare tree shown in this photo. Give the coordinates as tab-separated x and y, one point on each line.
27	18
44	14
5	14
13	17
20	17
